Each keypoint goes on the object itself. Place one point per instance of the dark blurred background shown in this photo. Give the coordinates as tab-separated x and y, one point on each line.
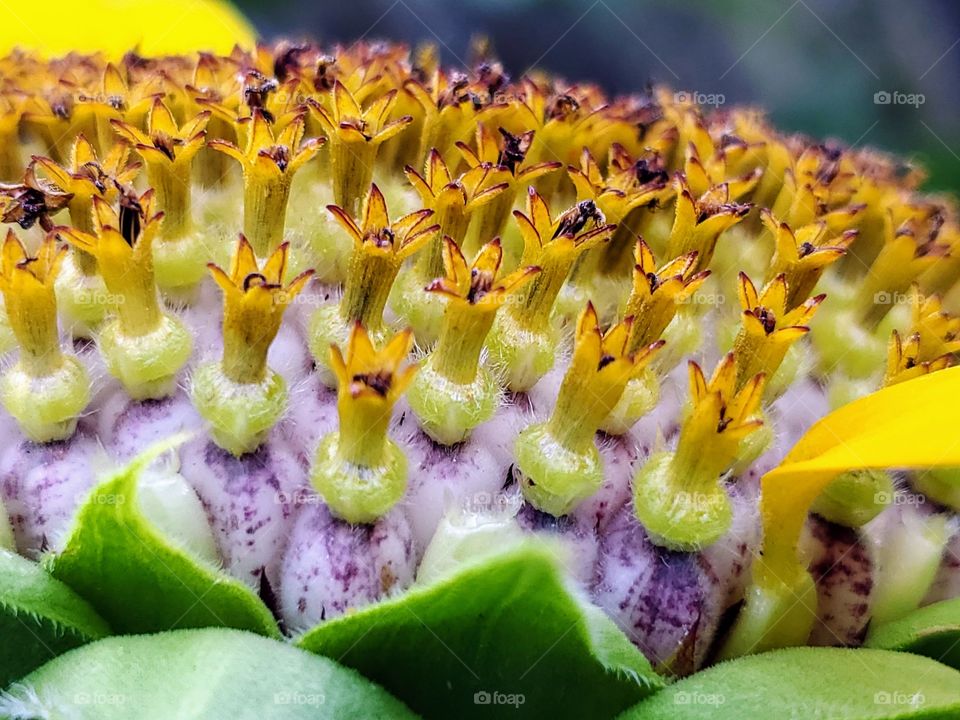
875	72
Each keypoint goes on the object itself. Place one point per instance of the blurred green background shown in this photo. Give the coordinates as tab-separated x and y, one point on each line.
874	72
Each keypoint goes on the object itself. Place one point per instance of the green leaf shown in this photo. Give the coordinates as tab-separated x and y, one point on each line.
811	683
210	674
933	631
505	634
143	580
40	618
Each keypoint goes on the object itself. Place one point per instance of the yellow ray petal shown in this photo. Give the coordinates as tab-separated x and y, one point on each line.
151	27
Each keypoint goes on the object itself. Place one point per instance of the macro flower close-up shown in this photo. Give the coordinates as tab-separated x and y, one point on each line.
479	360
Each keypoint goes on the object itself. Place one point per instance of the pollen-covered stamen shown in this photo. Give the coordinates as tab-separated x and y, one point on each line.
27	285
557	460
802	256
46	389
254	300
507	164
553	244
358	470
453	393
820	183
453	201
769	327
699	221
85	175
380	247
269	158
678	496
354	135
657	294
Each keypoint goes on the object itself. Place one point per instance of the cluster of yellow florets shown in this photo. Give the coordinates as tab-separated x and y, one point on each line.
525	200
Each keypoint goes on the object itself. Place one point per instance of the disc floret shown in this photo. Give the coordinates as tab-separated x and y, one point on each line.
379	249
270	158
679	496
453	201
46	389
240	396
358	470
168	150
656	296
453	392
355	135
557	460
144	346
523	342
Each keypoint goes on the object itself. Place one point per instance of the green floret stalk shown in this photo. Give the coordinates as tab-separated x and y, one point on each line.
452	394
855	498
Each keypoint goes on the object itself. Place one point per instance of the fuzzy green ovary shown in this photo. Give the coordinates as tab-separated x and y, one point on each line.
524	338
82	297
360	473
241	414
555	478
46	404
855	498
147	364
682	506
941	484
449	410
640	396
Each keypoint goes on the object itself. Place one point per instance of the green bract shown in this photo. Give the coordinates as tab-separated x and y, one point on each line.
933	631
504	634
210	674
143	579
40	618
811	683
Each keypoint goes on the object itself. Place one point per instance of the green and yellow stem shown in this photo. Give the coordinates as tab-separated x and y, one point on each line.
558	462
679	496
453	393
241	397
46	389
358	470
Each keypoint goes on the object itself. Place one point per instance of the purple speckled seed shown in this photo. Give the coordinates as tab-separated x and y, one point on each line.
249	501
842	566
331	566
579	538
42	486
